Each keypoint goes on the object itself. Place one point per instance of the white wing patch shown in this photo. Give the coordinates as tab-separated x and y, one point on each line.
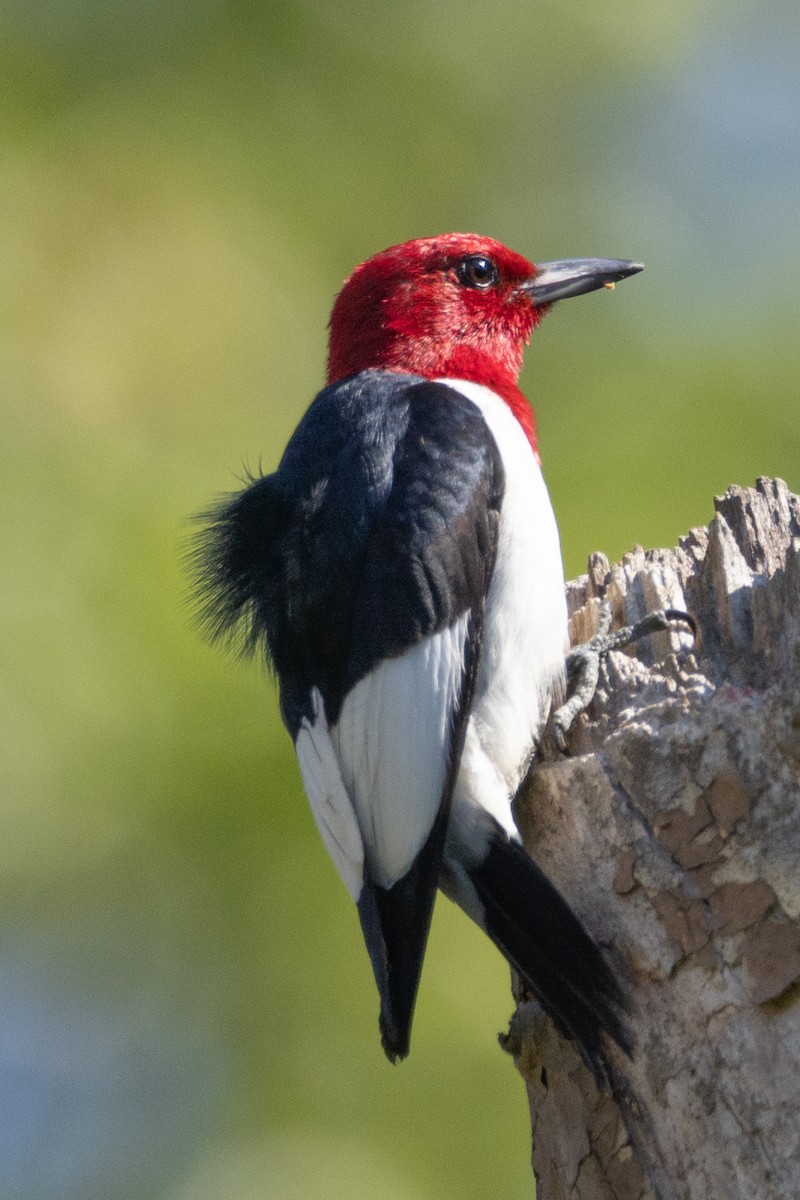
392	741
332	808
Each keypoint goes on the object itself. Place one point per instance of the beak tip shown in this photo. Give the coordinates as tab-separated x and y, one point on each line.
575	276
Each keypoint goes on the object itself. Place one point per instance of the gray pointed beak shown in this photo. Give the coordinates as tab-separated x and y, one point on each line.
574	276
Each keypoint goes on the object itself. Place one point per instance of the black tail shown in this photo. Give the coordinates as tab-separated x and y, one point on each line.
544	941
395	922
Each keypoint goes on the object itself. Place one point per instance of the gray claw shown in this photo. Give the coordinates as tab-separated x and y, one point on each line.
583	663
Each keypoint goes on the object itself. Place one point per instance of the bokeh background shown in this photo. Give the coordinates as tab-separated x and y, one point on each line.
186	1009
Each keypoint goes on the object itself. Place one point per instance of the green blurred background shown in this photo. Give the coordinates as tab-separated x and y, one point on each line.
186	1009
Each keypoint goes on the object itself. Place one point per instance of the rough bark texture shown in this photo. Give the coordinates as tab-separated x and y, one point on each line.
674	830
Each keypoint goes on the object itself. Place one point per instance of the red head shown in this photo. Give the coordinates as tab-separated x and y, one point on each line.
443	307
456	306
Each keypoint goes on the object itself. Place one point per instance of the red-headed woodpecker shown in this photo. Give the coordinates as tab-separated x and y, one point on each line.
401	569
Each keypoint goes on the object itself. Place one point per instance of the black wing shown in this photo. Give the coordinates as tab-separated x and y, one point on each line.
377	531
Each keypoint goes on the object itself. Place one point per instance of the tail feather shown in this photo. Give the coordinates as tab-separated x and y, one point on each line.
395	922
544	941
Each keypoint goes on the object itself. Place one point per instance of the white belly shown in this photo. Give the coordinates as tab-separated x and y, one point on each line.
525	631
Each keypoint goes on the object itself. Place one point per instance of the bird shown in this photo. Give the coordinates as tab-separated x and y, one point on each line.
401	573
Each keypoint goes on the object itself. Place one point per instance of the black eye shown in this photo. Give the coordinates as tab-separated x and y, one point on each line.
476	271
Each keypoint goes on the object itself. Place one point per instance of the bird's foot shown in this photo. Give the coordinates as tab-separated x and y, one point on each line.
583	663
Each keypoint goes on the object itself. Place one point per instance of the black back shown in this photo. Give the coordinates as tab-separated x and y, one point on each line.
376	531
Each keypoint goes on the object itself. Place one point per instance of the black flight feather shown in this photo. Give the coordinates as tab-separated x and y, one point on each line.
559	963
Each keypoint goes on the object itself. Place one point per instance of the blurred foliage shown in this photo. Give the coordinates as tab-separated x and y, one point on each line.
187	1010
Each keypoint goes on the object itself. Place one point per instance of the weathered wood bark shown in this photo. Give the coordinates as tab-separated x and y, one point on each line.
674	830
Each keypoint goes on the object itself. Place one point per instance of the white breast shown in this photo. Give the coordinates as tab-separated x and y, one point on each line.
525	632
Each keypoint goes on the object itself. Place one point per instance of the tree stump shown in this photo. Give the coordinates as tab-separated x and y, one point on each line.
674	831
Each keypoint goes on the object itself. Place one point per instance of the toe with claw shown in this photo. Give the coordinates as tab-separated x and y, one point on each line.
583	663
